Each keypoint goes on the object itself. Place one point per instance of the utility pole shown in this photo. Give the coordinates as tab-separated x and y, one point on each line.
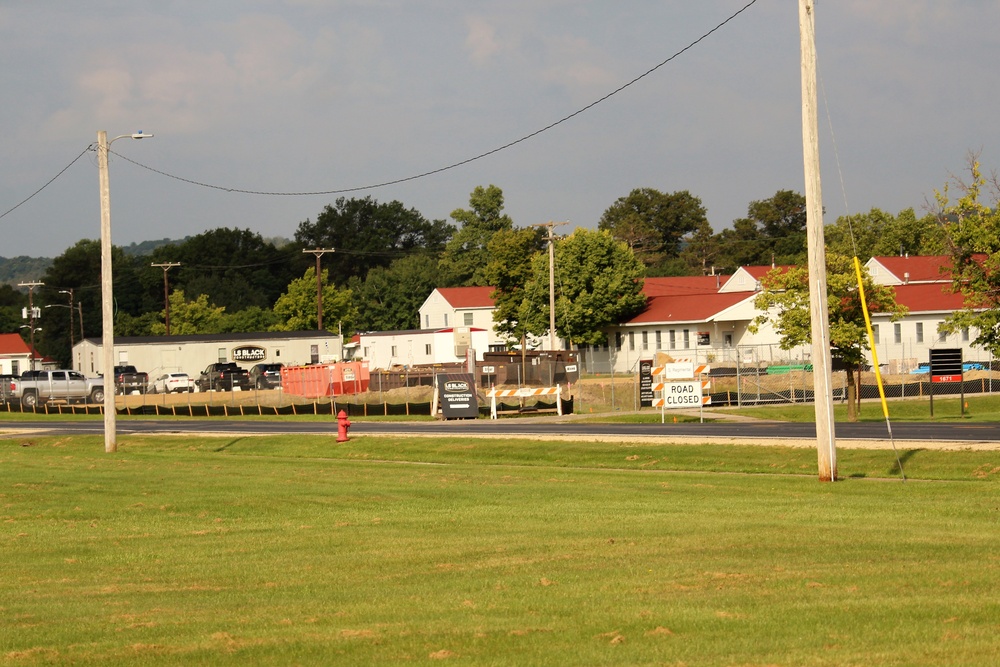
552	279
319	252
166	290
71	341
31	314
826	448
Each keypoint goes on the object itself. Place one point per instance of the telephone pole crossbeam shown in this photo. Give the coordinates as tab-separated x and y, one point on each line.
31	317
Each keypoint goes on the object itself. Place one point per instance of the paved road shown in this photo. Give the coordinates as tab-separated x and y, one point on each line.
754	430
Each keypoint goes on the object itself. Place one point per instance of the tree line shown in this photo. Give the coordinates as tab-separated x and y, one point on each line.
388	258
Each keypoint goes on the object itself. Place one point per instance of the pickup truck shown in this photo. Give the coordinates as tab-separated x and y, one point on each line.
38	387
128	379
222	377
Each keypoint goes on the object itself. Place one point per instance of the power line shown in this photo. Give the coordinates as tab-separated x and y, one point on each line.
49	182
455	164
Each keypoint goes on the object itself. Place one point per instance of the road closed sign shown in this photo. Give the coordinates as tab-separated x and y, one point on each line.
682	395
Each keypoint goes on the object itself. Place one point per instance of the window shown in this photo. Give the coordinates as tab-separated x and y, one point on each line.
673	339
942	336
15	367
222	355
631	340
446	319
897	333
965	335
468	319
314	354
920	332
687	339
427	321
427	349
392	351
875	332
659	341
618	340
645	340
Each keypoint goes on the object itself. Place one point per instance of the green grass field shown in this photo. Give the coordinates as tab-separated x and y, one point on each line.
295	550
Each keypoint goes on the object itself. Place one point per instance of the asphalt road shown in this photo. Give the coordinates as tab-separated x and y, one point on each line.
749	430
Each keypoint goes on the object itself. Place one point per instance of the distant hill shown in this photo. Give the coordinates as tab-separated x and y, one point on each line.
146	247
23	269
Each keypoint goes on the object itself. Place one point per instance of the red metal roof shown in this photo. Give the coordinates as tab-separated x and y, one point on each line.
681	285
12	343
933	268
928	297
467	297
687	308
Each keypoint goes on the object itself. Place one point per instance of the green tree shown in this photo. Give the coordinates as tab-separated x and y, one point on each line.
879	234
388	299
774	232
598	284
296	308
249	320
972	229
467	253
367	234
234	268
11	303
190	317
653	223
508	271
784	302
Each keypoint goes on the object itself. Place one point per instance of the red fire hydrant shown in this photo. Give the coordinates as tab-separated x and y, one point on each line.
343	423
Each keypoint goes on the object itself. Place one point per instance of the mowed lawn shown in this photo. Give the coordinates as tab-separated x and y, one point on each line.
382	551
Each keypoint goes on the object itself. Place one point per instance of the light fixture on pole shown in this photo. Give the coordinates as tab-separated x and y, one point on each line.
71	342
107	291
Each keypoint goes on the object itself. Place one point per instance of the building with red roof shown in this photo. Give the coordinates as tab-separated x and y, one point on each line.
15	354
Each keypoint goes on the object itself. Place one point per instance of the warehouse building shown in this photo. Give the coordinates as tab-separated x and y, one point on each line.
191	354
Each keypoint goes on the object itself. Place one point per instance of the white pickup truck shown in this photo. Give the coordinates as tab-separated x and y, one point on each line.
38	387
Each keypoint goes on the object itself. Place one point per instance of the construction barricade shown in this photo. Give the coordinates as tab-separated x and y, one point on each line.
349	377
525	392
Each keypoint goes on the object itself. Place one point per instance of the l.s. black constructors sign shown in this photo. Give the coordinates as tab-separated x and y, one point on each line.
249	353
457	396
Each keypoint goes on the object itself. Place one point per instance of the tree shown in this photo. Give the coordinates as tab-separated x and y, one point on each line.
508	271
389	298
774	232
190	317
652	223
598	284
467	253
11	303
296	308
249	320
234	268
879	234
367	234
784	302
972	230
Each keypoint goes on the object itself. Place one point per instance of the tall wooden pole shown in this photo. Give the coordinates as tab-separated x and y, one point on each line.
107	298
819	317
319	252
552	279
166	266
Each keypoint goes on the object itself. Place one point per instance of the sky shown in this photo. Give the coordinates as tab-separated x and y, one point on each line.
317	96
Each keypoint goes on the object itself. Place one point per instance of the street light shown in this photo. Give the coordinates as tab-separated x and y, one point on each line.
107	292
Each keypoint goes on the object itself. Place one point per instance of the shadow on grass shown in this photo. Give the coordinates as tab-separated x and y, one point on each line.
229	444
903	460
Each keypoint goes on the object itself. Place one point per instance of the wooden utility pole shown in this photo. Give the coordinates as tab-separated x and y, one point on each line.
819	317
319	252
31	318
552	279
166	291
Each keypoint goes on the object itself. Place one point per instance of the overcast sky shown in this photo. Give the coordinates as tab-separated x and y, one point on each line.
322	95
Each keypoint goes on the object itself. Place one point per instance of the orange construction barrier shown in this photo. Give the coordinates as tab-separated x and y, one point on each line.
349	377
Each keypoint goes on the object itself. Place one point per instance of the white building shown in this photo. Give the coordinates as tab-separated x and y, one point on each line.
15	354
190	354
462	307
418	347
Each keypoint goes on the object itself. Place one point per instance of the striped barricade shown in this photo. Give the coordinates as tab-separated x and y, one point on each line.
524	392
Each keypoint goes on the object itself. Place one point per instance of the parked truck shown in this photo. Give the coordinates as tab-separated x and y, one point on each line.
39	387
223	377
129	379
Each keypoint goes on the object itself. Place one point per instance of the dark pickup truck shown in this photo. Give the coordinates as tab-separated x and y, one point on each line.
128	379
224	377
